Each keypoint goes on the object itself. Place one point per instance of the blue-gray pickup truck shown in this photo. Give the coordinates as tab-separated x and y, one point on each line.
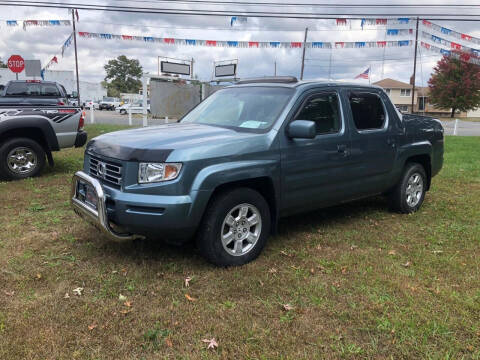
250	154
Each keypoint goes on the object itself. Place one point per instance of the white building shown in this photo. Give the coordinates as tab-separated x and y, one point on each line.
88	90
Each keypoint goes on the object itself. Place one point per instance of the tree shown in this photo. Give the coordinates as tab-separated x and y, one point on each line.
123	76
455	83
3	65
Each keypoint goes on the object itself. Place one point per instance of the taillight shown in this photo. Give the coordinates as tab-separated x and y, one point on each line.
81	122
61	103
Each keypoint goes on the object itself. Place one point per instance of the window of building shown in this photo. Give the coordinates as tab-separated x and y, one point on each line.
402	108
387	91
405	92
324	110
367	110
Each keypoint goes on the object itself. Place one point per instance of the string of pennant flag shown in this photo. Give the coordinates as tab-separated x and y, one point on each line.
247	44
29	23
54	59
450	32
451	44
463	56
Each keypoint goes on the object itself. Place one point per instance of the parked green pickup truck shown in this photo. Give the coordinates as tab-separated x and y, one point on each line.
250	154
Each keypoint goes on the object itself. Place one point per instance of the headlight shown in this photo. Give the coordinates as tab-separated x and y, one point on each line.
155	172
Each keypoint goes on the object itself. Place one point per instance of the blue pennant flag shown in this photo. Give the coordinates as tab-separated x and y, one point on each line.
232	43
12	23
392	31
148	38
317	44
403	43
445	52
105	36
360	44
446	31
54	22
190	42
403	20
274	44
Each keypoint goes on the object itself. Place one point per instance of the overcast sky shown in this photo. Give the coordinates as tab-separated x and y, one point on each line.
44	42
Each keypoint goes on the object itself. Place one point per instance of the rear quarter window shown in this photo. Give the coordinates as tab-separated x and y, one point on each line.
368	111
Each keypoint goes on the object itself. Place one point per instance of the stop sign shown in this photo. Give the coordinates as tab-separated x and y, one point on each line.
16	63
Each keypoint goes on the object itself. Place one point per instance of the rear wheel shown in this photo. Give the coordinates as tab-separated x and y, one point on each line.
21	158
409	193
123	111
235	227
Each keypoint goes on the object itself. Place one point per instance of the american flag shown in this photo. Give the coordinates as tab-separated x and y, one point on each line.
363	75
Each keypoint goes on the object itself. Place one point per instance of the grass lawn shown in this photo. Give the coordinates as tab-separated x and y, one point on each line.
362	282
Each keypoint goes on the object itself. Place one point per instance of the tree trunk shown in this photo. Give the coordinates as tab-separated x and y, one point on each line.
453	112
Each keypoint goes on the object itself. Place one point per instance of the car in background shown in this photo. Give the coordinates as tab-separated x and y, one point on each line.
136	108
35	93
88	104
109	103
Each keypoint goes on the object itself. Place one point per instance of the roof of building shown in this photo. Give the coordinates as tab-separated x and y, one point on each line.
392	84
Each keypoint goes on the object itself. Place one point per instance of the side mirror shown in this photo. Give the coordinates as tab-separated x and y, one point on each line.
302	129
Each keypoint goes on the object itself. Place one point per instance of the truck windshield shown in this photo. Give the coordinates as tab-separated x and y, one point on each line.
32	89
241	107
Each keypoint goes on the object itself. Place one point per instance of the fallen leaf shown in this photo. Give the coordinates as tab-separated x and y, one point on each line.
122	297
437	251
344	269
392	252
312	271
353	247
9	293
168	342
125	312
407	264
272	270
212	344
38	276
288	307
128	303
187	281
78	291
284	253
66	296
91	327
189	298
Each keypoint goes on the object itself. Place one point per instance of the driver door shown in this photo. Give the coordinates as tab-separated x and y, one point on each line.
315	172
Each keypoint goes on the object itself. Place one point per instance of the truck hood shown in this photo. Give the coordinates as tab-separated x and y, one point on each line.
156	143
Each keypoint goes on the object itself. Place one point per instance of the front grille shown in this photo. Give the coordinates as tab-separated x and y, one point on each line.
106	171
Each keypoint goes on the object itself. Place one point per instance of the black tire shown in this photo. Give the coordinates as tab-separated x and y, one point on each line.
25	143
398	197
209	240
123	111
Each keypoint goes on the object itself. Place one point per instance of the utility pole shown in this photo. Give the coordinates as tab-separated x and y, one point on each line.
76	55
303	54
275	71
191	68
414	65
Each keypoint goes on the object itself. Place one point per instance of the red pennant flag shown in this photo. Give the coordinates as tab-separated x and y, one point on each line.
253	44
466	37
169	40
211	43
296	44
341	21
381	21
55	60
127	37
381	43
455	46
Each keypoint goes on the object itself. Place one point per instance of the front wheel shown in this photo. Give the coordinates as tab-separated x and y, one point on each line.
409	193
123	111
21	158
235	228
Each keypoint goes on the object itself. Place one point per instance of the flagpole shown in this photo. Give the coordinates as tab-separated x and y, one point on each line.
76	56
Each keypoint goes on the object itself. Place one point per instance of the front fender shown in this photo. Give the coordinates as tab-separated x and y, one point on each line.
215	175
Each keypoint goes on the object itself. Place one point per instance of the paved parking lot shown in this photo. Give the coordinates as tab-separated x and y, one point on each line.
464	128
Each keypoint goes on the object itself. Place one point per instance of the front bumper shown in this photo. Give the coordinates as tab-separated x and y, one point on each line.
97	217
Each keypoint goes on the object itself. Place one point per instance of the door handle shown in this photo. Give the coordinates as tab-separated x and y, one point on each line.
391	142
342	149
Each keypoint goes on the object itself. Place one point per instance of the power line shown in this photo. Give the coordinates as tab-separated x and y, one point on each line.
323	5
204	12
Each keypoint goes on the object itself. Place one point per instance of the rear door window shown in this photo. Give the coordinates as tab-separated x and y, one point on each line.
368	111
